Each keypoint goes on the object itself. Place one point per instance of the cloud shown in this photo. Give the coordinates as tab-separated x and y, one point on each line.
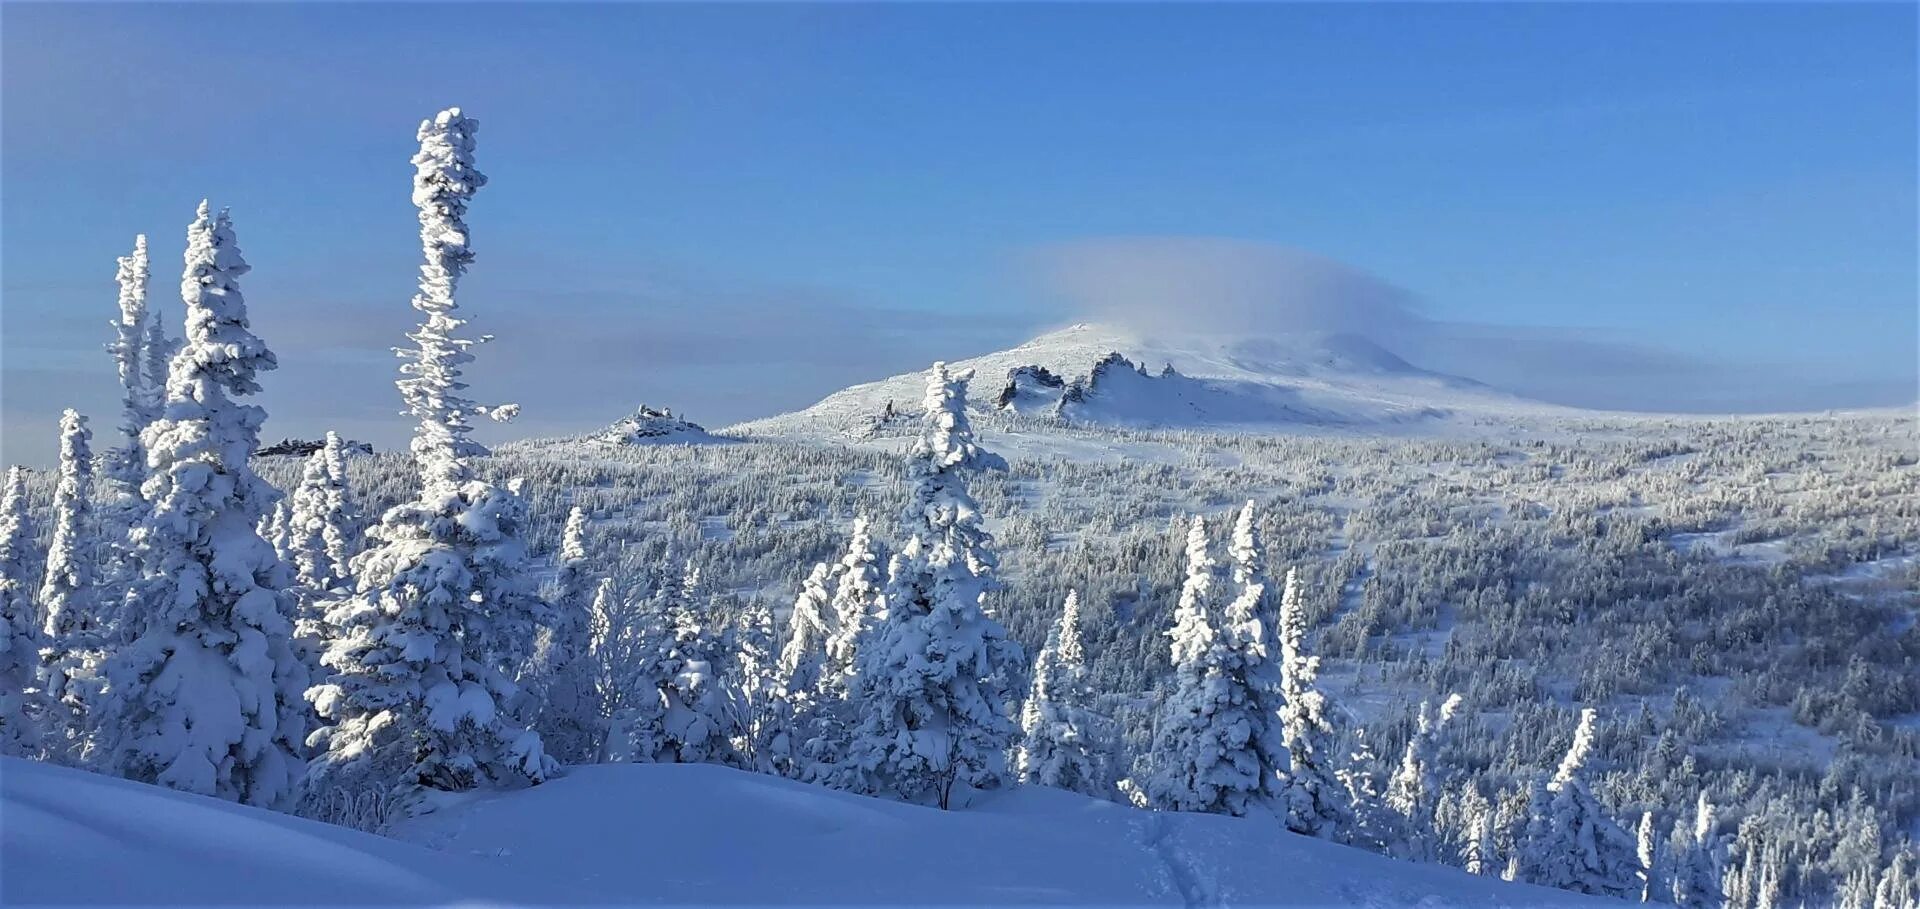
1219	285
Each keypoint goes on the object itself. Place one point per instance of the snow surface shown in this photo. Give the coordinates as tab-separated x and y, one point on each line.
679	834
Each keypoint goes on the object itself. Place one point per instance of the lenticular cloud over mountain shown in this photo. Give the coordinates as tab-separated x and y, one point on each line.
1215	284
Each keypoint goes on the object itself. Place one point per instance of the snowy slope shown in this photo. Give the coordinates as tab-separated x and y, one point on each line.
682	834
70	837
708	834
1261	383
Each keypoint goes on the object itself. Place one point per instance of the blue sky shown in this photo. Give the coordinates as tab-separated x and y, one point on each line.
734	209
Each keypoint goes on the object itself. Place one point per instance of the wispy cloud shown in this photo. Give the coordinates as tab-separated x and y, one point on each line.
1238	286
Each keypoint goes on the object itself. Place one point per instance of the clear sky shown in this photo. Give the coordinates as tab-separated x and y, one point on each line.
734	209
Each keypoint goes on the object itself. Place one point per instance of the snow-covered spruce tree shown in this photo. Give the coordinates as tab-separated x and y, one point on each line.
1203	755
1317	803
19	623
933	719
323	524
125	467
619	657
803	657
1374	824
1584	849
140	403
69	599
1698	861
205	696
1654	884
799	680
858	605
819	731
443	608
699	725
559	678
1478	853
1412	789
761	722
1059	735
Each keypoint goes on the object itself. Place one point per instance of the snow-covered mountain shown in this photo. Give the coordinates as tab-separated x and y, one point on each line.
1105	375
686	834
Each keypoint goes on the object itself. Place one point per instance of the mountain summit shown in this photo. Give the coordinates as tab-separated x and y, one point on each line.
1104	375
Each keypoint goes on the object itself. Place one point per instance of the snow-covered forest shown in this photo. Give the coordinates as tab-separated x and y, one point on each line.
1671	660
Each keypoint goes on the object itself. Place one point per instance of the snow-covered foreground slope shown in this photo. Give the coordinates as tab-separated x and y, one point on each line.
1271	383
69	837
685	834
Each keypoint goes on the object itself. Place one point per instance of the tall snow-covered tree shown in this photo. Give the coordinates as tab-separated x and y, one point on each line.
1316	801
700	722
1653	867
858	605
69	596
1479	854
679	710
933	719
1205	756
19	623
1584	850
1059	734
761	727
820	718
559	680
140	402
1698	861
443	608
1412	789
205	696
803	657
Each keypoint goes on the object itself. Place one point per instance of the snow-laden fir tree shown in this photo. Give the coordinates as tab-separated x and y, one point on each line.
804	655
1374	825
205	696
858	605
933	719
1698	860
1654	884
1583	849
1059	734
276	528
619	655
125	467
1317	803
19	623
1479	855
140	402
821	719
323	523
1412	789
679	710
559	681
69	598
699	726
1252	664
761	718
444	610
1204	756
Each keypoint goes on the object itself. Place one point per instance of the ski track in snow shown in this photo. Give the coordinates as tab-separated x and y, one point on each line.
1177	870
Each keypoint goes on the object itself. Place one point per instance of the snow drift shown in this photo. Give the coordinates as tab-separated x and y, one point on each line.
680	834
